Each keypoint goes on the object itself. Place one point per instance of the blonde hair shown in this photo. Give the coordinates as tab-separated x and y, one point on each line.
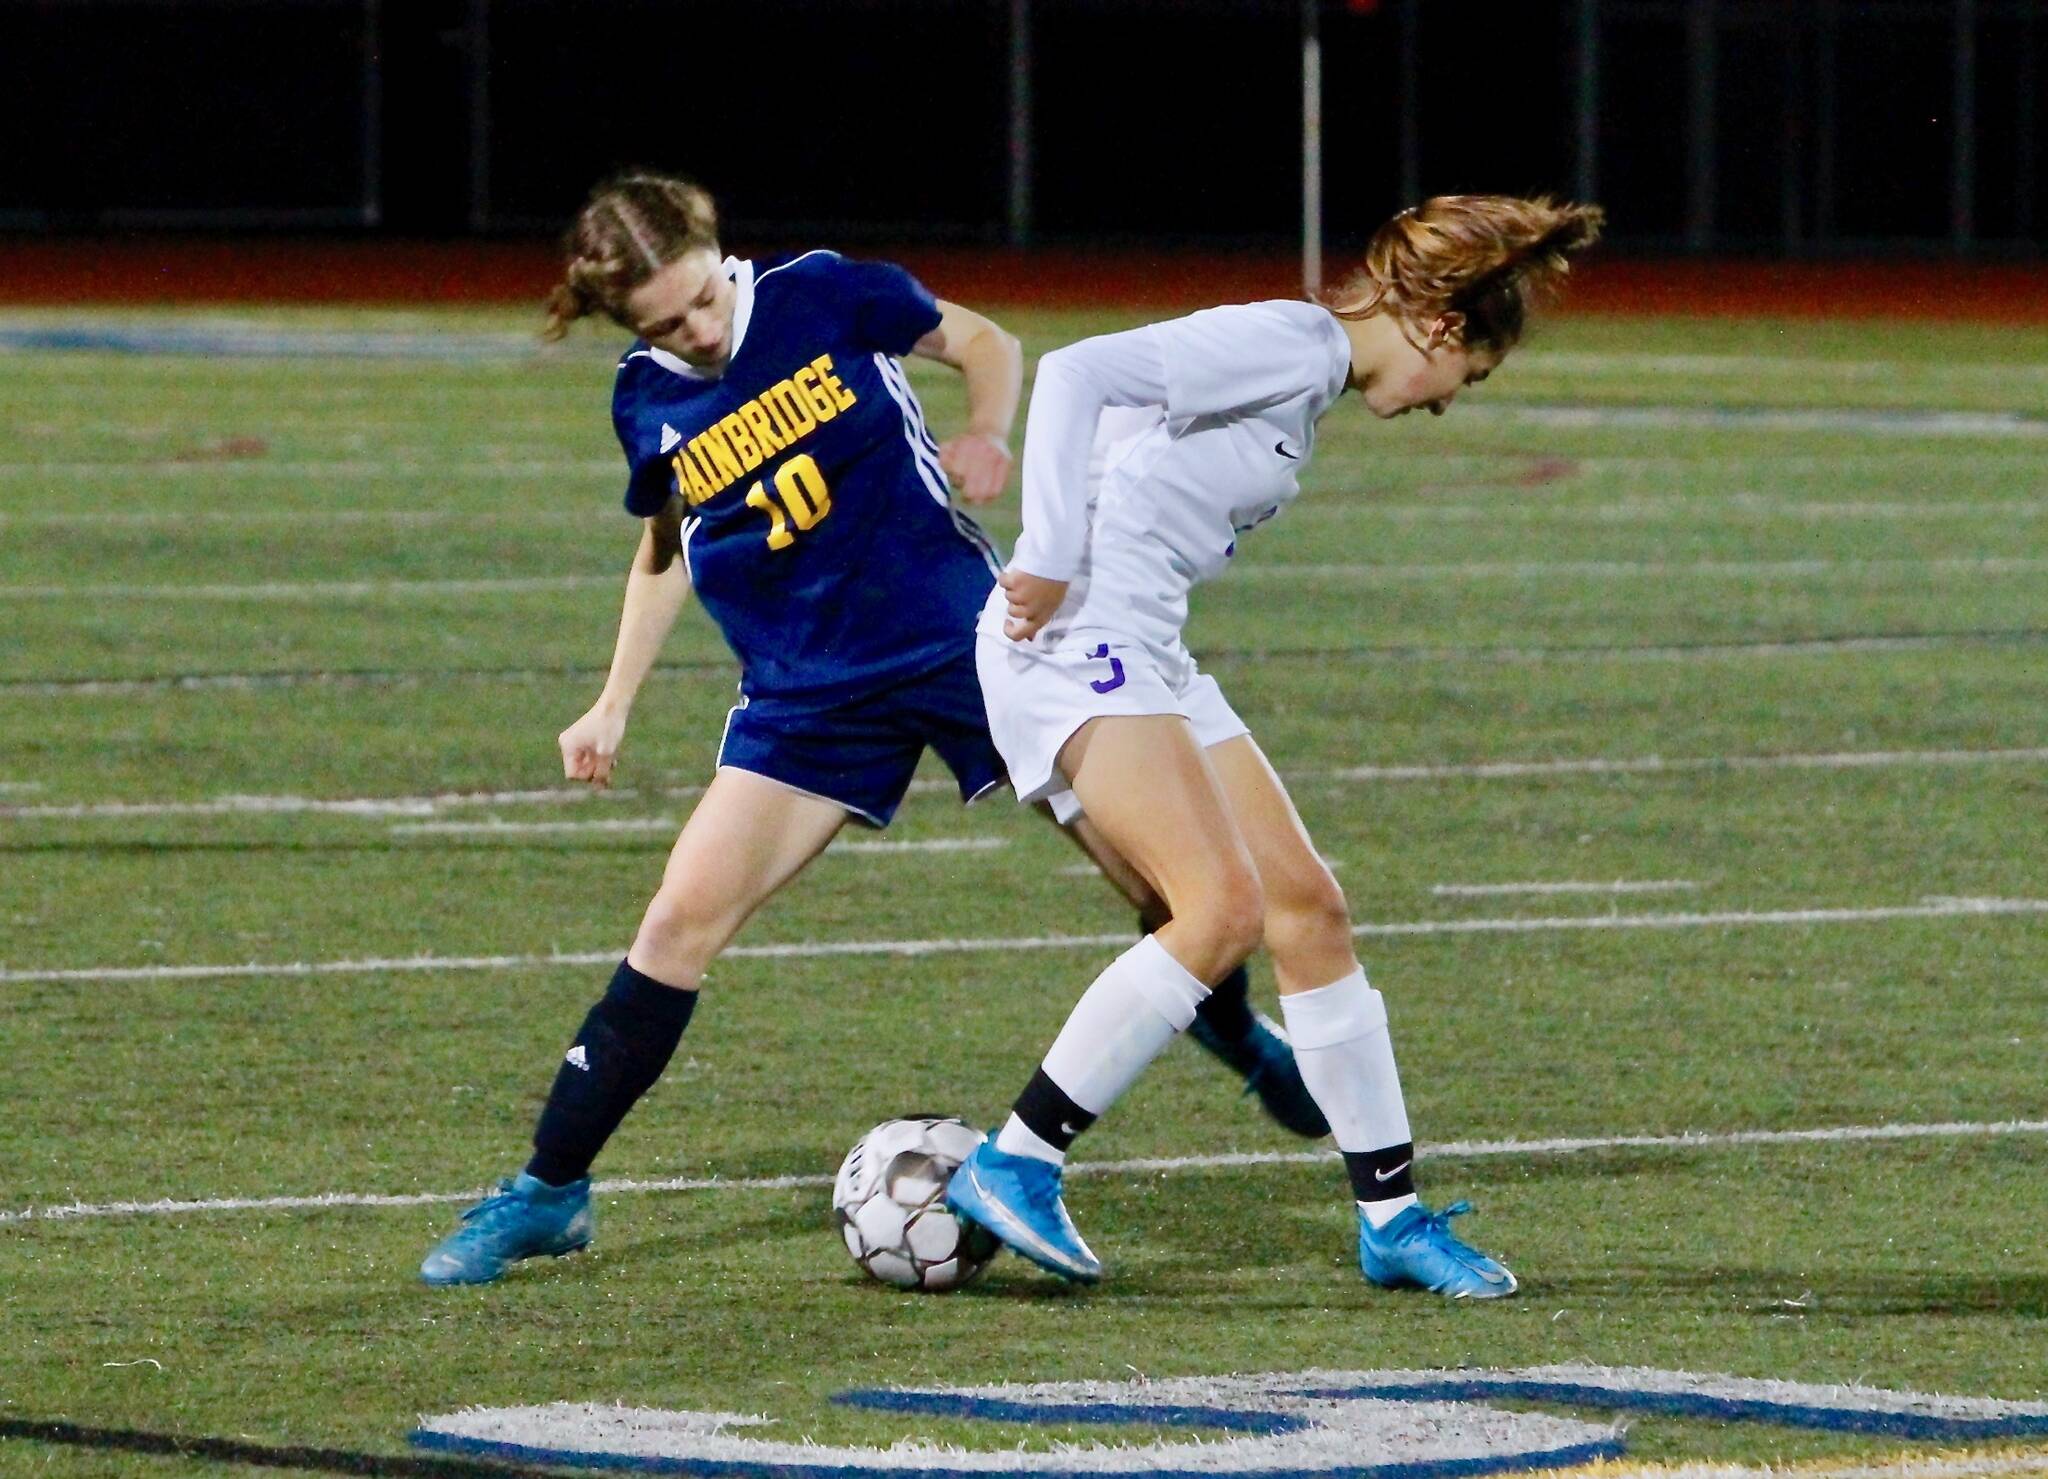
1489	257
633	225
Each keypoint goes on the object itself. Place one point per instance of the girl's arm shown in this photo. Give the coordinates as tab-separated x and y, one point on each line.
1216	362
992	362
1073	386
656	587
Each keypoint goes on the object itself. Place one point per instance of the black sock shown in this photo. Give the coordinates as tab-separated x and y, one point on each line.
1382	1175
619	1052
1049	1114
1227	1009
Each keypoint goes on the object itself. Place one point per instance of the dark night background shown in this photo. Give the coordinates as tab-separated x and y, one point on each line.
889	118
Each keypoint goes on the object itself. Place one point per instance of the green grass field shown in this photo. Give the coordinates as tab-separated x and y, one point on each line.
1791	668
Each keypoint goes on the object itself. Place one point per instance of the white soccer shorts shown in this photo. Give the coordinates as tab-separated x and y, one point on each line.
1037	699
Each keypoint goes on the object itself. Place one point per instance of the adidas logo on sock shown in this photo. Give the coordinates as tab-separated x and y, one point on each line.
577	1058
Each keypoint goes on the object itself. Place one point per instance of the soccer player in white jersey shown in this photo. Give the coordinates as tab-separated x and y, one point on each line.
1148	455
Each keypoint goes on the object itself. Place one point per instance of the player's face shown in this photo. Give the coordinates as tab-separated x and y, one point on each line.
686	308
1432	368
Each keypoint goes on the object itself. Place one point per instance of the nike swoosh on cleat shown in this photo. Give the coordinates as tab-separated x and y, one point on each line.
1023	1234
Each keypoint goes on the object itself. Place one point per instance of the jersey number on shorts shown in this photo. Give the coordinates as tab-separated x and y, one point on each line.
1115	680
801	490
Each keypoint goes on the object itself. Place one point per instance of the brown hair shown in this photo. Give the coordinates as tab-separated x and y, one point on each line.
1489	257
633	225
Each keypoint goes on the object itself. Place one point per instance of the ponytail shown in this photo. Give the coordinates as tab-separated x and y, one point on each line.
1489	257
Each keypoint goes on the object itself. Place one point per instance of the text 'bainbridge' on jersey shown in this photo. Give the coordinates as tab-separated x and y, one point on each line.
779	417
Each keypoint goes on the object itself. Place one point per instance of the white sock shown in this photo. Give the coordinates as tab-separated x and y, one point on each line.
1018	1138
1379	1214
1140	1002
1340	1038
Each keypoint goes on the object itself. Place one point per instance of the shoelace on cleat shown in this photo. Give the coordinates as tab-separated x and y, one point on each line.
499	1198
1437	1227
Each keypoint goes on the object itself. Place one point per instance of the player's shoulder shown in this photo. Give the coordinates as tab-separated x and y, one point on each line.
645	372
1282	317
653	394
1277	331
820	266
824	270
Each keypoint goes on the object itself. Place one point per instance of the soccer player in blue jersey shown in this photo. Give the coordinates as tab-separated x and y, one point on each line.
782	466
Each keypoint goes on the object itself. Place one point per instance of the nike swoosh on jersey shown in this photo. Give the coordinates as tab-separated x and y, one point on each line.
1281	448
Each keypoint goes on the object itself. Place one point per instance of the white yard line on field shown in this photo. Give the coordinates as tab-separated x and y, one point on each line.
1523	507
1747	367
1942	908
1506	890
434	805
496	827
309	590
1540	509
1691	1140
1643	569
668	826
1902	423
362	806
1503	655
595	516
315	590
454	467
1659	765
915	845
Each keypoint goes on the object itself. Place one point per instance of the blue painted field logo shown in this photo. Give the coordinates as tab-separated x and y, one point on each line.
1284	1425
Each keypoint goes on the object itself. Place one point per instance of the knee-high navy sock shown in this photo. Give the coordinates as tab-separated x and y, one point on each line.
1227	1009
619	1052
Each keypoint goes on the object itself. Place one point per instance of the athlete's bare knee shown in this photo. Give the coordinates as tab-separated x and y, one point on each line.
1234	915
1310	915
676	940
1215	920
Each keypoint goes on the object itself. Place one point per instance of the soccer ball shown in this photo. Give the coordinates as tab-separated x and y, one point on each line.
889	1200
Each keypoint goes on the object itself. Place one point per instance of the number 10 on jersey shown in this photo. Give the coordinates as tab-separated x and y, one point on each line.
801	499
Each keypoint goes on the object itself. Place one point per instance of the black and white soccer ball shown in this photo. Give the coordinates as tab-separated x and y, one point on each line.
889	1200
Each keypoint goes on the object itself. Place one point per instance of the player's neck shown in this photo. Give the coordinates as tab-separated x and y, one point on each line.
1376	347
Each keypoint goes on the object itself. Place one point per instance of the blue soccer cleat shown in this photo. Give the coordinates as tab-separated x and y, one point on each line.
1265	1061
1017	1197
523	1218
1417	1249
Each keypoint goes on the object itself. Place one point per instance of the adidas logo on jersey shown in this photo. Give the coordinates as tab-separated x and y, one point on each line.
670	438
577	1058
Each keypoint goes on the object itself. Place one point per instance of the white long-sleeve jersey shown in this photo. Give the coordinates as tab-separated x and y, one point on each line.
1149	454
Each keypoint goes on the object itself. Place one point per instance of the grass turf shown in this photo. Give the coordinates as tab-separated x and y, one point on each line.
237	577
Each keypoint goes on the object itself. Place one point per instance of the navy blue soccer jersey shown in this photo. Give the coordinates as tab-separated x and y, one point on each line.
820	532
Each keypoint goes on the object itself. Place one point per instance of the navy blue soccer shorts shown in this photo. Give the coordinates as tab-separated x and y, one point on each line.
862	755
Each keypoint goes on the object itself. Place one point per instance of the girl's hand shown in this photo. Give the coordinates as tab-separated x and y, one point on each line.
590	746
1032	601
978	464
